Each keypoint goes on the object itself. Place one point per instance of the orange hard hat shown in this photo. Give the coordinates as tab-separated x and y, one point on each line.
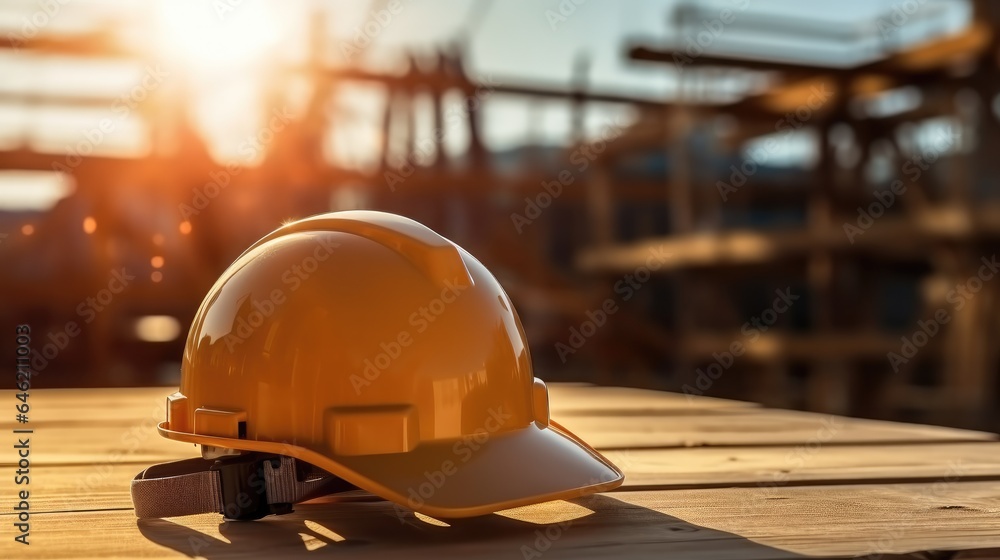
370	349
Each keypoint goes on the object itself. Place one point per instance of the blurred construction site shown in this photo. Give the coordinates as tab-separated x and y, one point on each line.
777	201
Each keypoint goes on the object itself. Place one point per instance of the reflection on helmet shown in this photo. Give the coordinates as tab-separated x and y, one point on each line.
385	356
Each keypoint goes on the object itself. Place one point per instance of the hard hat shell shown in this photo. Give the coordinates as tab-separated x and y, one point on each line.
370	346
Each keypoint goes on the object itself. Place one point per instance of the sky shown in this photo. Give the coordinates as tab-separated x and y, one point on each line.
219	46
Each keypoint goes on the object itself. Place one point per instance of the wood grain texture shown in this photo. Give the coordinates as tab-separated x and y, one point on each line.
87	486
136	441
122	427
802	465
130	405
807	485
753	427
584	399
100	444
755	523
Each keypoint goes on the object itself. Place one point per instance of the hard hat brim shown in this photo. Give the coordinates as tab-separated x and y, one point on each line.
477	475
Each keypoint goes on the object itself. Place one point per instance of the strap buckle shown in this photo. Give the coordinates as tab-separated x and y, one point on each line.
244	488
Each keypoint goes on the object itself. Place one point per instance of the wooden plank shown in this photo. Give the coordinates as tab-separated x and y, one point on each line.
372	531
846	521
93	405
808	347
800	465
753	428
96	462
106	485
751	523
102	444
936	55
944	52
80	487
136	441
583	399
898	238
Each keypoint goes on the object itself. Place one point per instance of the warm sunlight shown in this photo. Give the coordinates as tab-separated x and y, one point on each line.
213	36
485	280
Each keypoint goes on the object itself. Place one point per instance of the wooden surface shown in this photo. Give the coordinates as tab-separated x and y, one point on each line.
705	478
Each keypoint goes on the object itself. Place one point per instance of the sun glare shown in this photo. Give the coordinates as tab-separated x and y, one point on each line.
213	36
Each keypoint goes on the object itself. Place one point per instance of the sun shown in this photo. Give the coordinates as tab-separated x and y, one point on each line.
211	36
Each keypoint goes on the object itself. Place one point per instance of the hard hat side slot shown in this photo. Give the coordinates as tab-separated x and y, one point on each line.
220	423
372	430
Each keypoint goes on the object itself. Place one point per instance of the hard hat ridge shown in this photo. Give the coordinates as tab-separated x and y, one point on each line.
389	353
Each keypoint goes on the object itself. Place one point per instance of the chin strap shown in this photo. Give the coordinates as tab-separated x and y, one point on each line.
243	487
